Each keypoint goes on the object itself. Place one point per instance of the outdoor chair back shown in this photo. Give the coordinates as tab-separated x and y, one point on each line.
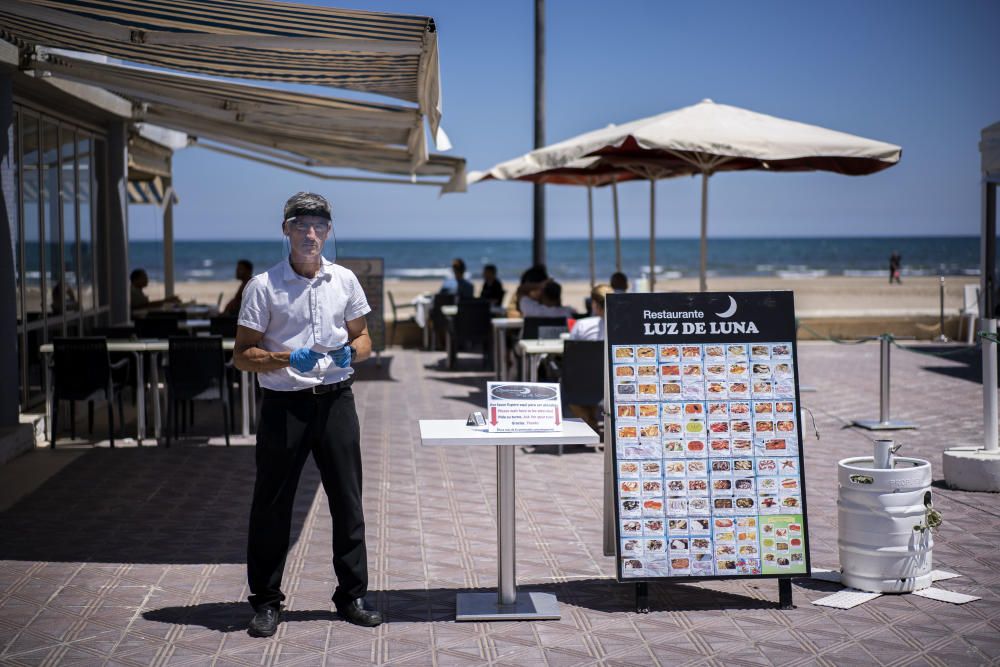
223	325
543	327
439	323
395	315
583	372
82	371
156	327
471	328
196	372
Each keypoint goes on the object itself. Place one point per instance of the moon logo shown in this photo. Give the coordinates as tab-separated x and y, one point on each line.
731	310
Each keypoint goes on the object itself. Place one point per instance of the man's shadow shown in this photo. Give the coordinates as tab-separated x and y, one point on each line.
438	604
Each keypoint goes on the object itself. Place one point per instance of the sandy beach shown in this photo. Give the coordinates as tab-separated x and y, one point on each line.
814	297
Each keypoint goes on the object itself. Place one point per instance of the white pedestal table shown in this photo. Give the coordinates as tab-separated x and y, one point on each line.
507	604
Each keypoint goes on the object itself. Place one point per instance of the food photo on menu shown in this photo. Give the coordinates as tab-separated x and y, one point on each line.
706	444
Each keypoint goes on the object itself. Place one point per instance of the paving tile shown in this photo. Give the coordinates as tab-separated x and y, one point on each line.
100	565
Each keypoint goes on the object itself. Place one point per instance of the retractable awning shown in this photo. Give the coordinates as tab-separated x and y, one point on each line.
389	54
318	130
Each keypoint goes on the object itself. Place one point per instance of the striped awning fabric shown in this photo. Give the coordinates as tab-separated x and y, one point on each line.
317	129
150	192
389	54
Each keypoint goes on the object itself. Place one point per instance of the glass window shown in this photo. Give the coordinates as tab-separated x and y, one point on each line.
64	294
85	162
52	279
32	276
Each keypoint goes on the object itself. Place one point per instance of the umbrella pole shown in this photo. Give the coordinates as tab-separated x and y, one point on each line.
652	235
702	282
618	232
590	230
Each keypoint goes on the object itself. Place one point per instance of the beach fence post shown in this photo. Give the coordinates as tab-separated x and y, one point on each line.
884	421
941	338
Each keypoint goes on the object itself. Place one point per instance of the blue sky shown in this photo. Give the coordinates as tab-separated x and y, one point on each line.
918	74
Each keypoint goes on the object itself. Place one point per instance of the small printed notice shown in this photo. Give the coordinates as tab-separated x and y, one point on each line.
523	407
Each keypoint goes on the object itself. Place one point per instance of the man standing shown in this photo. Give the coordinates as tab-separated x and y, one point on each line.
301	325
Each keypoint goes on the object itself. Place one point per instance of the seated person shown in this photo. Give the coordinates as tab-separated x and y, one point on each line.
592	328
63	299
544	301
619	282
138	299
492	287
531	281
244	272
458	285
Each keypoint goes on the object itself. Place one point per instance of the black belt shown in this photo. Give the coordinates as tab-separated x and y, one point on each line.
318	390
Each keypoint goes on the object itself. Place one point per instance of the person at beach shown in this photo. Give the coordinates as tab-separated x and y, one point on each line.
895	266
138	300
492	287
301	327
619	282
592	328
532	281
244	272
63	299
458	285
544	301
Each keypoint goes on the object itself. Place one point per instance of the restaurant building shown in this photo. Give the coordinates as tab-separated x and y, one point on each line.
84	132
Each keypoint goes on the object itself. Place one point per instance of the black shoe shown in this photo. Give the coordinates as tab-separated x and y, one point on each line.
264	622
355	612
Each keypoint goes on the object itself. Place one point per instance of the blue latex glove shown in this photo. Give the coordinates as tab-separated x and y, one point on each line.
343	356
304	360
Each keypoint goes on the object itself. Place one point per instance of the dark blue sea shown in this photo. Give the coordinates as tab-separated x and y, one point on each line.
568	258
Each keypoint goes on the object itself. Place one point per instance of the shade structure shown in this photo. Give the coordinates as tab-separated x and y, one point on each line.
390	54
707	138
310	130
586	172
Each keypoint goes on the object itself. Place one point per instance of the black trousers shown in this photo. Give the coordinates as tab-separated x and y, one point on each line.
293	424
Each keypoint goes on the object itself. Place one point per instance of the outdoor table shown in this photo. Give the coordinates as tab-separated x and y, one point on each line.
532	350
138	348
500	327
422	315
506	604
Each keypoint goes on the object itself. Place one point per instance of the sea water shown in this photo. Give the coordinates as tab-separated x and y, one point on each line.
568	258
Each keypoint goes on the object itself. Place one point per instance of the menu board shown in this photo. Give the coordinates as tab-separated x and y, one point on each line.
707	441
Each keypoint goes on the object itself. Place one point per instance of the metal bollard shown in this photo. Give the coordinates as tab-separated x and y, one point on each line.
991	443
941	338
884	421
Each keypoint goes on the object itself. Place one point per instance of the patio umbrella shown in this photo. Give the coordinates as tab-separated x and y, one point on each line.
707	138
588	172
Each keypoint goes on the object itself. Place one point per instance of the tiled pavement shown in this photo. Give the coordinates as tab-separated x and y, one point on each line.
136	556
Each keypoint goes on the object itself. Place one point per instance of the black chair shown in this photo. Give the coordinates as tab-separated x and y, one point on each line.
439	323
543	327
582	380
395	315
471	328
223	325
82	371
156	327
195	372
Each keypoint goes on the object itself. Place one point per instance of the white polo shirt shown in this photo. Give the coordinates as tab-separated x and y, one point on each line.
293	311
588	328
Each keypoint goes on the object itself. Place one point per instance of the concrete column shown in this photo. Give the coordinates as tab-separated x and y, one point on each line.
116	221
9	394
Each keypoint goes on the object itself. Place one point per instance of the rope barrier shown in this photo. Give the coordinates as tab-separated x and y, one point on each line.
839	341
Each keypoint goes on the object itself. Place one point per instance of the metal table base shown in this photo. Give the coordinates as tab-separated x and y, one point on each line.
506	604
526	607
